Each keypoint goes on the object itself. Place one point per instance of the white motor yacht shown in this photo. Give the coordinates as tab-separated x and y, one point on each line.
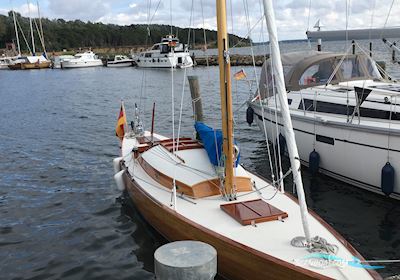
86	59
346	117
119	61
166	54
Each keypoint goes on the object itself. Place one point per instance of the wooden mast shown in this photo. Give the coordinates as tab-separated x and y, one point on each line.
226	98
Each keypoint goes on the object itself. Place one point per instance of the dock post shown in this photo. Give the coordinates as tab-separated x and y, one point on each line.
196	98
185	260
394	52
370	49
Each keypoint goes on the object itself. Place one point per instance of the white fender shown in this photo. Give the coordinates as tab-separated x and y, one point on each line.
119	180
116	164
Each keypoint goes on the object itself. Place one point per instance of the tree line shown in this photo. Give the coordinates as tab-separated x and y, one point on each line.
60	34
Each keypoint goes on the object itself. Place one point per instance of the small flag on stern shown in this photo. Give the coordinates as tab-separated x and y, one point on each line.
120	128
240	75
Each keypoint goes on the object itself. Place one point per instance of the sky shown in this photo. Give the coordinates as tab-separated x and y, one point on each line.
294	17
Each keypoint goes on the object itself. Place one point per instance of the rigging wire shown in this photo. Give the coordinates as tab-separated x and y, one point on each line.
155	11
276	100
184	80
308	23
372	18
309	15
170	15
246	10
23	36
275	144
205	40
173	195
388	15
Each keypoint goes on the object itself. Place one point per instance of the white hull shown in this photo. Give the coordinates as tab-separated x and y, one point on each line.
358	152
119	64
81	64
175	60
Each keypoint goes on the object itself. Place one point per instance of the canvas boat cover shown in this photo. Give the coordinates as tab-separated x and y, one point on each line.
312	68
212	141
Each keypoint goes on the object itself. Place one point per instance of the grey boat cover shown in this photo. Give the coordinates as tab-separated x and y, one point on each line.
306	69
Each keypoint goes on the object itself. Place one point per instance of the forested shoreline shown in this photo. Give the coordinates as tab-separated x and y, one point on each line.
61	34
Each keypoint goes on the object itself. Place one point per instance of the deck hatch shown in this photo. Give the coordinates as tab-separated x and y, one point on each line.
253	211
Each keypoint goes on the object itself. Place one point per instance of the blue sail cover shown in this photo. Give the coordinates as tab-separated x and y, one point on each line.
212	141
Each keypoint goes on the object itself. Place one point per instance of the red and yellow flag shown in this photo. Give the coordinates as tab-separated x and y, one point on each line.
240	75
120	128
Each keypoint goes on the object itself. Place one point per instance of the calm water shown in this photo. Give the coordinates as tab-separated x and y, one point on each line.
60	215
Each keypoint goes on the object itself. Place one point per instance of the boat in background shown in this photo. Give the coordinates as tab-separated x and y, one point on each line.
33	61
56	60
169	53
189	189
30	62
4	62
119	61
81	60
346	117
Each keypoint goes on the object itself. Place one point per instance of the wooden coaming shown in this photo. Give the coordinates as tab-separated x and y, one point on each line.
202	189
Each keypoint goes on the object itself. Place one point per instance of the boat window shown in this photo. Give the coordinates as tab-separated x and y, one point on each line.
350	68
307	77
165	48
147	55
179	48
266	86
317	73
372	69
342	109
325	139
156	47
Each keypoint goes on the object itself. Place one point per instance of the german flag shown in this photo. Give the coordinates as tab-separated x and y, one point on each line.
120	128
240	75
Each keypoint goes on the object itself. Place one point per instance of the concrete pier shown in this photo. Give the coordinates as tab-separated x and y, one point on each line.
185	260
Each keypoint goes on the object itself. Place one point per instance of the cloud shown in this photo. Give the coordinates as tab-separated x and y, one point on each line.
293	16
78	9
23	9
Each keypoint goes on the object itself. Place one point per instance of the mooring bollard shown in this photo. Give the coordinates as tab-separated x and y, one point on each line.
185	260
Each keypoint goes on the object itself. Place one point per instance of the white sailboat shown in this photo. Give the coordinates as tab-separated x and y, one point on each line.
253	225
346	117
33	61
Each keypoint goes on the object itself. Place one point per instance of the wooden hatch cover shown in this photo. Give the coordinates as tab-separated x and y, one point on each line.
253	211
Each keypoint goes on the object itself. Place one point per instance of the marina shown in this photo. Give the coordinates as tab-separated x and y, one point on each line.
271	161
84	215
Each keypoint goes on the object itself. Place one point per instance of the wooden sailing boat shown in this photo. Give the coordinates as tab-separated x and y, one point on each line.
254	227
33	61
